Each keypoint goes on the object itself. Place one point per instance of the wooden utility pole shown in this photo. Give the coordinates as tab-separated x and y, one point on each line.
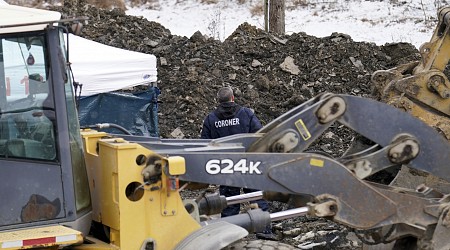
277	16
266	15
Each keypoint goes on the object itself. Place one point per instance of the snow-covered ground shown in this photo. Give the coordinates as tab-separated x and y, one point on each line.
378	21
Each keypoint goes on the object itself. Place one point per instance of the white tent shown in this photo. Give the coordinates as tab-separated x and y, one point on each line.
101	68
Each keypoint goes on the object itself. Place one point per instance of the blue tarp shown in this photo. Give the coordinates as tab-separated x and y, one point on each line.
136	112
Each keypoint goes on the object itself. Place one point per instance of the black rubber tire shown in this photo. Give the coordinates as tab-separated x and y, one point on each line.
259	244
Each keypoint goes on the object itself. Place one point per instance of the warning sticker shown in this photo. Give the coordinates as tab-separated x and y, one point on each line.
316	162
302	129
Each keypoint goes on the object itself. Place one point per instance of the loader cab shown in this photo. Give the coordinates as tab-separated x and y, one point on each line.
43	178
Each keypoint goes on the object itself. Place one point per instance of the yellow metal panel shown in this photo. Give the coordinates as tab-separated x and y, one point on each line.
133	220
177	165
91	138
143	219
90	143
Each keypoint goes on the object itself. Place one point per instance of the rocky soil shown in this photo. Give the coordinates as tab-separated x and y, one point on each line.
269	74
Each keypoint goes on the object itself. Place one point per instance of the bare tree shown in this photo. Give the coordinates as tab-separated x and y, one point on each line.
276	16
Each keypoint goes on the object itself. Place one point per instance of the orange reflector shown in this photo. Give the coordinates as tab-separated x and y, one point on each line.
40	241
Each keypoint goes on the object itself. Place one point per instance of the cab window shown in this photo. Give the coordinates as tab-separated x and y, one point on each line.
27	114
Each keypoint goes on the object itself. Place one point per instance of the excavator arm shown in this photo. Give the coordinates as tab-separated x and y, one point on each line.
275	159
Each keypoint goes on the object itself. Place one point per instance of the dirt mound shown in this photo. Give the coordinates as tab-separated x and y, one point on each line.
269	74
190	70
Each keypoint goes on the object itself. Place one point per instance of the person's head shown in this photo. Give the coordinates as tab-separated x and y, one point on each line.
225	94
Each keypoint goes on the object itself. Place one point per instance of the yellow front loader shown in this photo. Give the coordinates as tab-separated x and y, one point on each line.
66	187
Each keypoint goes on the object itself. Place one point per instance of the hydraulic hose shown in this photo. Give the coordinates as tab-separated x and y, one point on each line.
108	125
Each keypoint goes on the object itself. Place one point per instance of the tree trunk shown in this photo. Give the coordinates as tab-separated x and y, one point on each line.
266	15
276	16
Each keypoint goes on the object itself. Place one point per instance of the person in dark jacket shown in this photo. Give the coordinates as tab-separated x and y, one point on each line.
229	118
